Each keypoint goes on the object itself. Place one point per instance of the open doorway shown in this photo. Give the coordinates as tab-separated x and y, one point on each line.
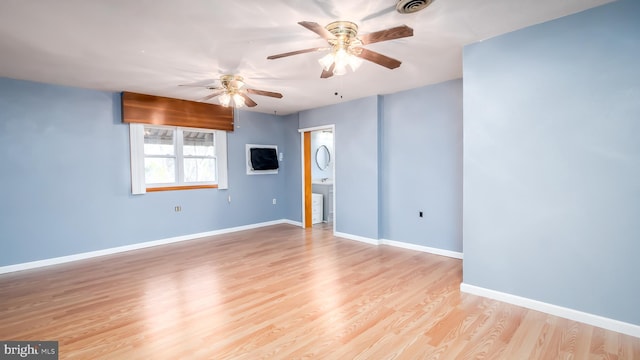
319	181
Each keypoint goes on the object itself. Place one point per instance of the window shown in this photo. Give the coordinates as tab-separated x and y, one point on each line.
198	156
179	156
171	158
159	156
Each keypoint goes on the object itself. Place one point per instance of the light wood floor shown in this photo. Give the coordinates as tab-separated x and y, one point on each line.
282	293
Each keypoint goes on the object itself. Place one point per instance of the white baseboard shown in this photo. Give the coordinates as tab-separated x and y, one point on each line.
291	222
119	249
363	239
567	313
422	248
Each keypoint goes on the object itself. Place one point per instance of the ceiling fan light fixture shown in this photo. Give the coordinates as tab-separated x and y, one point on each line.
354	62
340	69
238	100
342	61
225	99
339	58
326	61
342	57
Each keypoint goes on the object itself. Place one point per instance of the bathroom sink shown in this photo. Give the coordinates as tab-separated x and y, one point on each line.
322	182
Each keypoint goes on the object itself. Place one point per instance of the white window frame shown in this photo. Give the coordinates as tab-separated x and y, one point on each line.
136	137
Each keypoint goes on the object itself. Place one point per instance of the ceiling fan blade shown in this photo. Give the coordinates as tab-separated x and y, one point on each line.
278	56
318	29
397	32
248	101
211	96
379	59
328	73
264	93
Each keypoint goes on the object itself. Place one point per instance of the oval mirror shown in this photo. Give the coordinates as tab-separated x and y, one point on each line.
323	157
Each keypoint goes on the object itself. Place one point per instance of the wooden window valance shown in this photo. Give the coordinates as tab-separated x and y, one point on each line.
157	110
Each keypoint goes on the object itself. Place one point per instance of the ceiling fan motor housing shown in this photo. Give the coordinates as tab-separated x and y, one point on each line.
411	6
343	29
231	83
346	33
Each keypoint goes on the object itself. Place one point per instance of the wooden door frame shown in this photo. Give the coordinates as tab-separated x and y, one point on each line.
305	151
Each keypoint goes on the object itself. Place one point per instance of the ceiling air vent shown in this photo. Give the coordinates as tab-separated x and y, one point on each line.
411	6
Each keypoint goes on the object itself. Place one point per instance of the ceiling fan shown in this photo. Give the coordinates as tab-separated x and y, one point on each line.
232	92
346	47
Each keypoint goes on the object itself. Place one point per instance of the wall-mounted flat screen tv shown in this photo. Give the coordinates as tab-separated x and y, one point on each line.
262	159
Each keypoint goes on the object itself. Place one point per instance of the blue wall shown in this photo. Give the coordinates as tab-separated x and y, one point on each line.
397	155
356	162
292	163
552	162
77	199
422	166
65	179
252	195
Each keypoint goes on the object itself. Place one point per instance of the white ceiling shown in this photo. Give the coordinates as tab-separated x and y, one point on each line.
152	46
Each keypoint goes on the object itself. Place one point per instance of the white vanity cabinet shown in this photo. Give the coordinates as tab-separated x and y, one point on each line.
317	208
326	190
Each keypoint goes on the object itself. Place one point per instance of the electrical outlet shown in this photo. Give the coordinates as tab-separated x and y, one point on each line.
420	214
274	201
177	208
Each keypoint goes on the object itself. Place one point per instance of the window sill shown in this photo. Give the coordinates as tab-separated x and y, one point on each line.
187	187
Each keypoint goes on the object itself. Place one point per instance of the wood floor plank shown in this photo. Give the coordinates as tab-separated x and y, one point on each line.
282	292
